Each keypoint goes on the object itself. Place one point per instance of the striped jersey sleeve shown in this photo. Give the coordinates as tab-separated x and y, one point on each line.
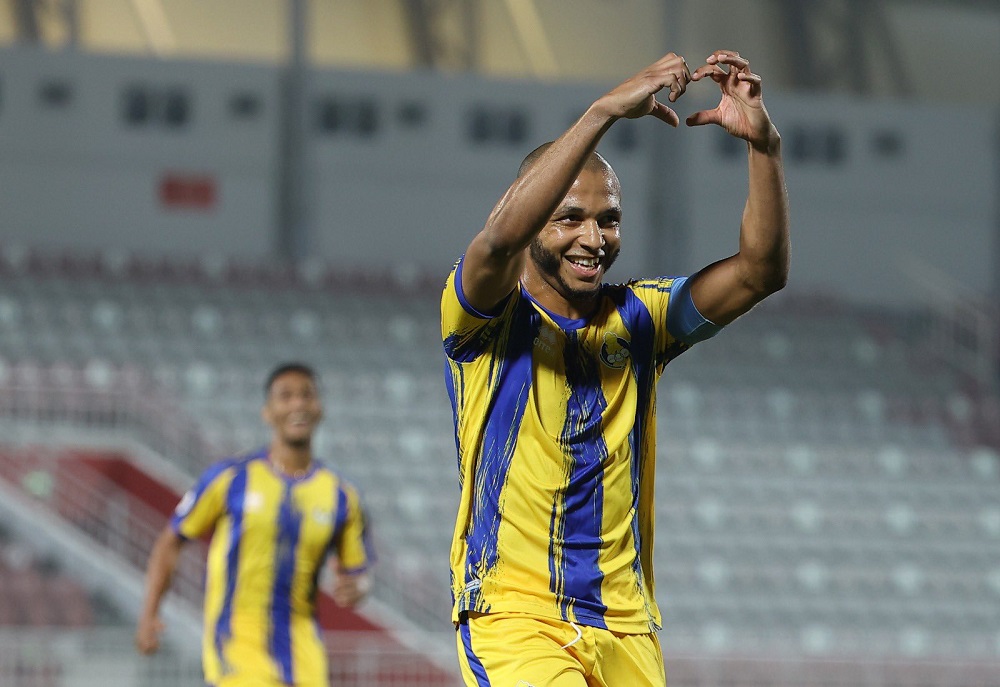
352	540
201	507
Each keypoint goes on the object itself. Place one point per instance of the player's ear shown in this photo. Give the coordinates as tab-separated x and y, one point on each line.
265	414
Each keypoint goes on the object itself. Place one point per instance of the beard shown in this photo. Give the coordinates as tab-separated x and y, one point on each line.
297	442
549	263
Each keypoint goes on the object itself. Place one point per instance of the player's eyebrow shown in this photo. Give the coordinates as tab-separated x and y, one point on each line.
576	210
568	210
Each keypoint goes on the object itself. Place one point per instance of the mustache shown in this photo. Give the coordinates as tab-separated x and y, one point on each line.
549	262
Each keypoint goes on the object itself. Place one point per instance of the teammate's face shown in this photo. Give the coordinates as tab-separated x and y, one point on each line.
582	238
293	408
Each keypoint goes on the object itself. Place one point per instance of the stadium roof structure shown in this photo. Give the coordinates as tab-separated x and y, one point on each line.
887	48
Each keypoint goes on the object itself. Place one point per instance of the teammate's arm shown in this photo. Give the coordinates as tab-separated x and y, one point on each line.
354	555
728	288
159	572
495	258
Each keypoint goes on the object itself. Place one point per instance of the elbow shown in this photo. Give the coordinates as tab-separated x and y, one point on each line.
772	274
768	283
765	268
777	282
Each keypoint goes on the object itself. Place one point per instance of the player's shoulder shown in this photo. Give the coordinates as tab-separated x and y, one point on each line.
645	287
339	478
453	275
232	464
639	284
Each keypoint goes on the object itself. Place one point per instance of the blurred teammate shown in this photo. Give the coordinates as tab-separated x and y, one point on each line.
276	514
552	379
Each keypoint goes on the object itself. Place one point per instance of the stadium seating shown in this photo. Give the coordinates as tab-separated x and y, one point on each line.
35	594
826	485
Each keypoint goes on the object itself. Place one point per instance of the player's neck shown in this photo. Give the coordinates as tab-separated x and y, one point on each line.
293	461
550	298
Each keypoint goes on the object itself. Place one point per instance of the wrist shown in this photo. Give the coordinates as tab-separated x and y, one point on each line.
602	114
769	144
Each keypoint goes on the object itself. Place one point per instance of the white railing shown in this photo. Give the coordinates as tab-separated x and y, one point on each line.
967	333
124	525
139	413
135	409
101	510
964	326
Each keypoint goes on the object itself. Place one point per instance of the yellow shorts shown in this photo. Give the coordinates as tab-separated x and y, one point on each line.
519	650
249	665
248	680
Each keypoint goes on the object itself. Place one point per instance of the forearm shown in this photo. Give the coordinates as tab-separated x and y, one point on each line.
160	571
534	196
764	235
495	259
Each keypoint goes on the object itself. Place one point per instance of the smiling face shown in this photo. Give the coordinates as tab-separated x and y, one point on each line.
571	254
293	408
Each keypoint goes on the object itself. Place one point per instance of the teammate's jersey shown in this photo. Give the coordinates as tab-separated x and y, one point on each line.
272	534
555	425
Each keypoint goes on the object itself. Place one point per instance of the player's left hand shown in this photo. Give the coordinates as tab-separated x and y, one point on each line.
741	110
147	634
350	589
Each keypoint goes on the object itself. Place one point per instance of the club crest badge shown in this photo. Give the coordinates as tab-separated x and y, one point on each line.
615	351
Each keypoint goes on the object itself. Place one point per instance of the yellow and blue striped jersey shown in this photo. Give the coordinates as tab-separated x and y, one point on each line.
555	426
272	535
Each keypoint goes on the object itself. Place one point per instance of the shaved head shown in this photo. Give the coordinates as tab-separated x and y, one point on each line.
596	160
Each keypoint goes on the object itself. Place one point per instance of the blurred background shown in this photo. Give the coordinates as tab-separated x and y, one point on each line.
193	191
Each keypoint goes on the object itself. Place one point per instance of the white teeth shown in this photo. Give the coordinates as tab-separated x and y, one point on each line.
584	262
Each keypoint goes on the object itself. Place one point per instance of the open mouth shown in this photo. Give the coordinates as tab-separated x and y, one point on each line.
585	268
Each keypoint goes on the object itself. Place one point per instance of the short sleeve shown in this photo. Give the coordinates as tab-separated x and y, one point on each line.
352	541
465	331
202	506
684	321
677	324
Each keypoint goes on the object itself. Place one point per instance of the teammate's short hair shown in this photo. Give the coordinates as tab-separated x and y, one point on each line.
285	368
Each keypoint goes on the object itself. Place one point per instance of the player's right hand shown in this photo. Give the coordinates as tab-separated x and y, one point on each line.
636	97
147	635
741	110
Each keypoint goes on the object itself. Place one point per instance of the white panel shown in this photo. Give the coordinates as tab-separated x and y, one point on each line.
855	223
912	184
419	194
81	177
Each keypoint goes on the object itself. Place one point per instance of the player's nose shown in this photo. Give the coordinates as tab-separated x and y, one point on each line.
591	235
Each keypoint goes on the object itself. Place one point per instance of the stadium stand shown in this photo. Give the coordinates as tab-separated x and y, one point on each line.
827	485
35	593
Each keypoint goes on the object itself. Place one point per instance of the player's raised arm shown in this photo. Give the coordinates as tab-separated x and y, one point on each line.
159	572
495	258
726	289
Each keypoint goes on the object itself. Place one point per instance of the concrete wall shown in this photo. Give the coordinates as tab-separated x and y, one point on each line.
404	168
74	173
